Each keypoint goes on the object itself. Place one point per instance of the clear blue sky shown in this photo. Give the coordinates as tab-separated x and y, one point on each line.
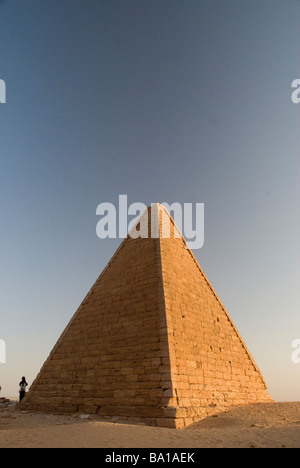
165	101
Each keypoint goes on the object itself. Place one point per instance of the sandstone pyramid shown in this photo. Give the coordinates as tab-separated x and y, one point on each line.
151	340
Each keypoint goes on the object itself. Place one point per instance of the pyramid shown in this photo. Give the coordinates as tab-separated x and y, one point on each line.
151	341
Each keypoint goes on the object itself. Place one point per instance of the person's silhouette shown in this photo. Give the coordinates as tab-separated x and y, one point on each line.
23	384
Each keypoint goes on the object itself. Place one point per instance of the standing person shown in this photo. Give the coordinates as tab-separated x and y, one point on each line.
23	384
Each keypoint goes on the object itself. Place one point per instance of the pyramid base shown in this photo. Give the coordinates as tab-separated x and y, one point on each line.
168	417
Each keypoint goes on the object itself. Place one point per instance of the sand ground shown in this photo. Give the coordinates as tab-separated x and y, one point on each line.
259	426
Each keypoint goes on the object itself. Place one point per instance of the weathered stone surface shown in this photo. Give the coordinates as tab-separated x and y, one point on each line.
151	340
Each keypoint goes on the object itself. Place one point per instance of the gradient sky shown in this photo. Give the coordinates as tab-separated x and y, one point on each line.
165	101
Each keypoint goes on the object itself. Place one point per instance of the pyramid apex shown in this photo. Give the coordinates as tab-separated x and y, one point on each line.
156	222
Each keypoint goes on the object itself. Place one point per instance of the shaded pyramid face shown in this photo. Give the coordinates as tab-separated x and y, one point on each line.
151	340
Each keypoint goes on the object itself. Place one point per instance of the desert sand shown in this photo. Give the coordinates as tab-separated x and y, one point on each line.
253	426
